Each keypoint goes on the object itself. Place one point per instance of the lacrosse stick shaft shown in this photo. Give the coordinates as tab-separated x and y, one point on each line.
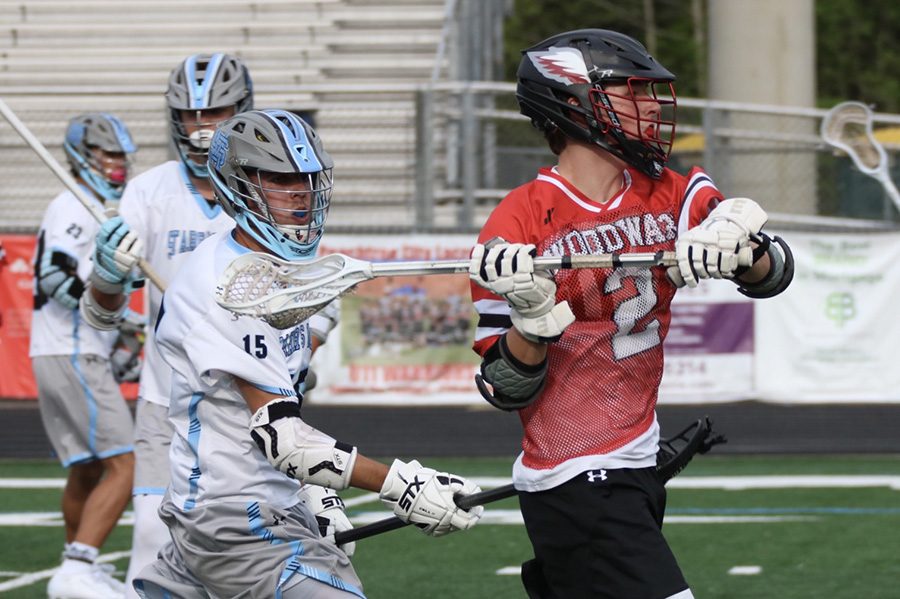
70	183
425	267
388	524
884	177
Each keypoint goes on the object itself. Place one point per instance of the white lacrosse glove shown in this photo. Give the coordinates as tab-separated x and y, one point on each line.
328	508
323	322
720	245
424	498
507	270
116	252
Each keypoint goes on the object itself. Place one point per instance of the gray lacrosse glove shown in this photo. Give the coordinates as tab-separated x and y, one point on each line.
116	252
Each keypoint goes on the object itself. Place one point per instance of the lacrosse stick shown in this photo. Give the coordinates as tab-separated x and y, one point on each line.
463	501
848	127
91	205
674	454
284	293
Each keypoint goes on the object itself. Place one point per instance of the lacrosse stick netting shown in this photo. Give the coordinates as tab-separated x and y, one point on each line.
284	293
848	127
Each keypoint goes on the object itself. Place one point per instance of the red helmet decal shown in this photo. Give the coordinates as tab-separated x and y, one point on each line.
565	65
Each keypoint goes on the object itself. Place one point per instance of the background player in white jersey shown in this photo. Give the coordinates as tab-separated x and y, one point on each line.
171	208
84	414
241	448
579	353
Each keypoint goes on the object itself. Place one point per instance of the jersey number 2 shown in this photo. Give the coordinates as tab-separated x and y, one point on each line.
259	350
626	343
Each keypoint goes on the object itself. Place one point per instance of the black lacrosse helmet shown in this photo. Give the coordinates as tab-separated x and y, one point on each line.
582	64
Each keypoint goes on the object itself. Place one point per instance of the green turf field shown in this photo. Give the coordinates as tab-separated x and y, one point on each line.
806	541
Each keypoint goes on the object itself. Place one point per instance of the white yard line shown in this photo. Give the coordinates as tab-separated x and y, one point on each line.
33	577
32	483
514	517
682	482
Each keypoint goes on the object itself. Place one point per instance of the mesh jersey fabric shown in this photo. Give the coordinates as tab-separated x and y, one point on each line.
604	373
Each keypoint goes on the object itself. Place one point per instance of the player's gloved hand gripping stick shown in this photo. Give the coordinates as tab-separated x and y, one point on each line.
674	454
70	183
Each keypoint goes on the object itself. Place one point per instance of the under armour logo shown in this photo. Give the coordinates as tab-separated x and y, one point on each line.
595	476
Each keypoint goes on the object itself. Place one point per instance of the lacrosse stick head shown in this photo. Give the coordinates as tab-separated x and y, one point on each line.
848	127
285	293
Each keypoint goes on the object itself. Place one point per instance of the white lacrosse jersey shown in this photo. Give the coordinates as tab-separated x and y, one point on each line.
170	216
213	457
67	227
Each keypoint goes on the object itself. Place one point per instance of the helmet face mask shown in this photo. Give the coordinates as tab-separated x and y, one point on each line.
97	148
204	90
296	205
638	116
603	88
271	174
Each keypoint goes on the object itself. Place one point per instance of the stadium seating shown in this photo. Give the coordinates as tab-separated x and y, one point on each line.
59	58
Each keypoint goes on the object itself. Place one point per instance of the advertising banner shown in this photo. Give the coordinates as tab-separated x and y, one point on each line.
710	347
402	340
16	290
16	283
407	340
833	336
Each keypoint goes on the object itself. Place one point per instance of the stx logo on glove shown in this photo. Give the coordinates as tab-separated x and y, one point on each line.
415	486
409	494
330	501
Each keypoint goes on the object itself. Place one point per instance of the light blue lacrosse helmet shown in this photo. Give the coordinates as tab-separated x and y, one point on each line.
89	132
204	82
272	141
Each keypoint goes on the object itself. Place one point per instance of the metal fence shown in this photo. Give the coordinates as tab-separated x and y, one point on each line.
438	157
473	146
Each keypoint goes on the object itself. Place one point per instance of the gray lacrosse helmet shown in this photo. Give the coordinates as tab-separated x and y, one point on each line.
203	82
98	130
272	141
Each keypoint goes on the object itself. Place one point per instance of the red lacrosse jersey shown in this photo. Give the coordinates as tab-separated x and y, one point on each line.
597	408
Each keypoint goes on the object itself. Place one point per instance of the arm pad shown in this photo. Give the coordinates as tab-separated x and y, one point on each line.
780	274
58	278
299	450
515	384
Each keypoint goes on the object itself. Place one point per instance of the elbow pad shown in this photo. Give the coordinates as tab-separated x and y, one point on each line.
516	385
299	450
57	278
99	317
781	272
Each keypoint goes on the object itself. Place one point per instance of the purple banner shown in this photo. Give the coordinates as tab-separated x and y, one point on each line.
710	328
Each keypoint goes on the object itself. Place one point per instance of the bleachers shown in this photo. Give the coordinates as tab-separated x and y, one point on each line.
59	58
